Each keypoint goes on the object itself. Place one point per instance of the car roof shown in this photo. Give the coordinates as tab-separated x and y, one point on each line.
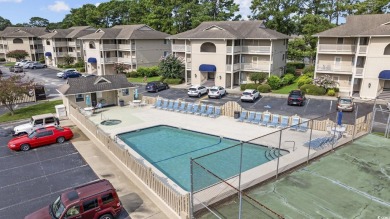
215	87
195	86
249	90
43	116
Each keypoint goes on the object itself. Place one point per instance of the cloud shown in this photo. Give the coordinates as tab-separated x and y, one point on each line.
14	1
97	4
244	7
58	6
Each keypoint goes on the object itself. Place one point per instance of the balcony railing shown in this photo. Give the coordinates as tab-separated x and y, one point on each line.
72	43
38	50
336	48
61	54
127	60
60	44
110	60
359	71
189	66
236	67
236	49
126	46
32	42
362	49
2	51
254	67
108	46
256	49
334	68
181	48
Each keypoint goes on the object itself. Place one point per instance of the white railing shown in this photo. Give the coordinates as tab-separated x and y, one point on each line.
236	49
32	42
236	67
256	49
362	49
188	48
255	67
2	50
60	44
336	48
108	46
60	54
334	68
359	71
38	50
127	60
72	43
110	60
178	48
126	46
189	66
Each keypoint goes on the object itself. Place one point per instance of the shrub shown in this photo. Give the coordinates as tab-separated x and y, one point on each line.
313	89
173	80
2	59
258	77
297	65
68	66
60	66
251	86
132	74
242	86
274	81
331	92
302	80
288	79
42	60
79	64
308	69
81	69
148	71
264	88
309	74
290	69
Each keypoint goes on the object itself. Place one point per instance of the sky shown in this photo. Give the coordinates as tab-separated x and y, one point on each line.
20	11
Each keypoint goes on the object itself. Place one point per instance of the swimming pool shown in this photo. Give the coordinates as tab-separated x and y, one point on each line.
170	149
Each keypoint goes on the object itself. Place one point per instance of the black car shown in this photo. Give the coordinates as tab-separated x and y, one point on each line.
296	97
156	86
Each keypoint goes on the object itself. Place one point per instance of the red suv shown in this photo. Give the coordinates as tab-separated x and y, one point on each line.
95	200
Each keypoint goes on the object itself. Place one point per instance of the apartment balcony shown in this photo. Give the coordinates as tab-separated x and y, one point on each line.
236	67
72	43
109	47
359	72
181	48
236	49
255	67
336	48
127	60
37	50
338	69
362	49
126	47
256	49
60	44
110	60
60	54
3	51
35	42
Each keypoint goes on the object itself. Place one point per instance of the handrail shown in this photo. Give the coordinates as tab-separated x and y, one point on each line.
293	145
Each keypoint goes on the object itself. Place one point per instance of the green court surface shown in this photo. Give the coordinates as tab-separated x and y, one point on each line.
352	182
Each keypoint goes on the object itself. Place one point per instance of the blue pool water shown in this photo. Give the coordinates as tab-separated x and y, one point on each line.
169	149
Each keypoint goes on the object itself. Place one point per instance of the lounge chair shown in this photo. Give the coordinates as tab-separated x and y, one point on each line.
194	108
182	107
242	116
210	110
164	104
175	106
217	113
170	105
143	103
275	121
266	118
189	108
304	125
294	123
251	117
157	104
202	110
257	119
284	122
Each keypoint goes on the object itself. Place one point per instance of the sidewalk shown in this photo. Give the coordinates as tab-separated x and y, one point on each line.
134	201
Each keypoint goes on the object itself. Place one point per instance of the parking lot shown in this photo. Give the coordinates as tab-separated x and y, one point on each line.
33	179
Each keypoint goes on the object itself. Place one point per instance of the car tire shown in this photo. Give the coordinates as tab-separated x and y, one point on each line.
199	95
220	96
34	67
106	216
253	100
60	140
21	133
25	147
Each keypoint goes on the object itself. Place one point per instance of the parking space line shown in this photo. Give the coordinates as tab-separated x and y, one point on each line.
330	107
307	103
254	104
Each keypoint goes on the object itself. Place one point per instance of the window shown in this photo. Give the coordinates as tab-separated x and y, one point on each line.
79	97
166	53
70	49
208	47
46	133
340	40
125	92
48	42
120	54
38	122
283	57
49	120
349	80
90	204
107	198
387	50
335	78
72	211
92	45
18	41
165	41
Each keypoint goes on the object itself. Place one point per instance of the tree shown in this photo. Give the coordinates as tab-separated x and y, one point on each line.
258	77
372	7
87	15
38	22
297	49
13	89
325	81
4	23
17	54
171	67
120	68
68	59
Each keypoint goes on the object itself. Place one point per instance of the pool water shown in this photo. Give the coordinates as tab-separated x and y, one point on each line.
170	149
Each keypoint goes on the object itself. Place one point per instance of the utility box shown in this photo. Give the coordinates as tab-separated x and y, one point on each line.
61	111
236	114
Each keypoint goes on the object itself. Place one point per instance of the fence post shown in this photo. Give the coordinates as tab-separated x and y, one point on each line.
192	189
373	116
334	132
387	126
277	165
354	123
239	184
308	151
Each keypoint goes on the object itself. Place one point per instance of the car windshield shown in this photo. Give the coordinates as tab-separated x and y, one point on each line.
247	93
57	208
295	95
345	101
192	89
214	89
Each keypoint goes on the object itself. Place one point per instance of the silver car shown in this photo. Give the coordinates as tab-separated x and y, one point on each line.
196	91
250	95
217	92
345	104
35	65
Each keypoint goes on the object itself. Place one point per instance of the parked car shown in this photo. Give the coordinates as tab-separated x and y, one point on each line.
71	74
21	63
250	95
217	92
388	105
40	137
60	74
296	97
15	69
35	65
95	200
39	92
88	75
345	104
36	122
197	91
26	64
156	86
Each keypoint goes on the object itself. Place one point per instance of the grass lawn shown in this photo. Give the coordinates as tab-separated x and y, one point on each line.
9	64
27	112
141	79
286	89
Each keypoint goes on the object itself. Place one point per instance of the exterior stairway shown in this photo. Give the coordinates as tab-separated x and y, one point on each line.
385	95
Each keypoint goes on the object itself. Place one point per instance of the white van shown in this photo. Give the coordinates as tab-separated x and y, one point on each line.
36	122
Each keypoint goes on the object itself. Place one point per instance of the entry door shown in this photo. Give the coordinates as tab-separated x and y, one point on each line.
210	75
93	99
337	62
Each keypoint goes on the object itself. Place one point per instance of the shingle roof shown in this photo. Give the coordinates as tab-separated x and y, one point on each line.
139	31
231	30
359	25
91	84
24	31
73	32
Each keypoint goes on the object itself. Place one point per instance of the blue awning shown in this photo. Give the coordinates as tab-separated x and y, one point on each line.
92	60
384	75
207	68
47	53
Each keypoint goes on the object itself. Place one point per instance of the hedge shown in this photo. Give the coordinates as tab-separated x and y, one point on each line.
297	65
304	79
132	74
331	93
81	69
274	82
251	86
173	80
313	89
242	86
288	79
307	69
290	69
2	59
264	88
148	71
